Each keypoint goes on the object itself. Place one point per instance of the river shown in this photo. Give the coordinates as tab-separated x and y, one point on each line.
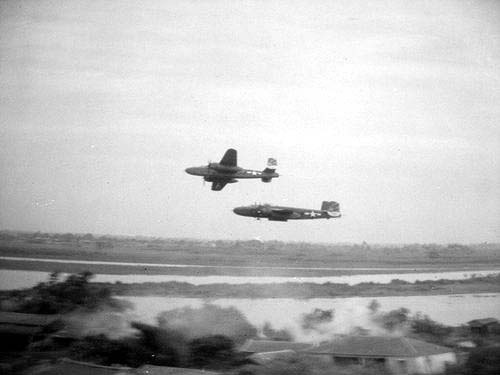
286	312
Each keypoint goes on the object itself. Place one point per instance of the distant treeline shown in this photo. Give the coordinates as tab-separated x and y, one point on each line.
300	252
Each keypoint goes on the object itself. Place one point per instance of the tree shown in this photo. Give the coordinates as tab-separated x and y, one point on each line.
207	321
484	361
104	351
88	237
68	237
211	351
374	306
169	347
316	317
276	334
394	319
57	297
433	331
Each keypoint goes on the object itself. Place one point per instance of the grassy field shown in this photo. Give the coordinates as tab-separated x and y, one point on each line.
251	258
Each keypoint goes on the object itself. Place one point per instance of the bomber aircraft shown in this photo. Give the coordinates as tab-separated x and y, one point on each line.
328	210
228	172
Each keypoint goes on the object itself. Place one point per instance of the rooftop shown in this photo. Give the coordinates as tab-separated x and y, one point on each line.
27	319
264	346
482	322
379	346
16	329
163	370
67	366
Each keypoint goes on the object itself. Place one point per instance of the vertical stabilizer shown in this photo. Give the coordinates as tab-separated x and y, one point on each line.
271	165
230	158
330	206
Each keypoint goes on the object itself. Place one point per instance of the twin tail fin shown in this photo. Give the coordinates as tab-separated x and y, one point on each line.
271	165
332	208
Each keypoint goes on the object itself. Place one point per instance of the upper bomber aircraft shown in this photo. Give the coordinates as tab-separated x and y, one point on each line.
228	172
278	213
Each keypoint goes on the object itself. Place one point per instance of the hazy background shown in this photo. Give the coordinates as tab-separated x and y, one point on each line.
389	107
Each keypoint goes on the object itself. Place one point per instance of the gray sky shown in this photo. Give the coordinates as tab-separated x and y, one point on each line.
391	108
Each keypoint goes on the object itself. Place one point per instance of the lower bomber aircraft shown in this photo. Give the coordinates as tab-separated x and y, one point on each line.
228	172
328	210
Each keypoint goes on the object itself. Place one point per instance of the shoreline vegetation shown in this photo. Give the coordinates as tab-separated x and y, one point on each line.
487	284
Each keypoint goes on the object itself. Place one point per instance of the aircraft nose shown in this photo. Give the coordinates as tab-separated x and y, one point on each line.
189	170
240	211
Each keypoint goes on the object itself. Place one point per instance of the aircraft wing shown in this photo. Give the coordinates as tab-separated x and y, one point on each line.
218	185
230	158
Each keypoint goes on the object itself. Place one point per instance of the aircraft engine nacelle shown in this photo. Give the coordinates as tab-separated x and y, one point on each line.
266	179
215	179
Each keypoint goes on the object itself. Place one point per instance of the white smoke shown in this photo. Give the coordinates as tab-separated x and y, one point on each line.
351	319
113	324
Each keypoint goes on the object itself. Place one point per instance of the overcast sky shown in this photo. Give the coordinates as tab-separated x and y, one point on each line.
391	108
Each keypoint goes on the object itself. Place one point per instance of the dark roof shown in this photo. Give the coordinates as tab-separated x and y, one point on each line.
378	346
15	329
264	346
27	319
162	370
67	366
482	322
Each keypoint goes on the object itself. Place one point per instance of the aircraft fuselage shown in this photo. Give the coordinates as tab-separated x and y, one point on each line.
228	172
217	171
280	213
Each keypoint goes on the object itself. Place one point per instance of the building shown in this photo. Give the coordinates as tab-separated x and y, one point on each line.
266	346
163	370
68	366
483	326
18	330
399	355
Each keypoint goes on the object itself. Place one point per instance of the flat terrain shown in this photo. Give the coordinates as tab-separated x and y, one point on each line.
242	258
254	258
